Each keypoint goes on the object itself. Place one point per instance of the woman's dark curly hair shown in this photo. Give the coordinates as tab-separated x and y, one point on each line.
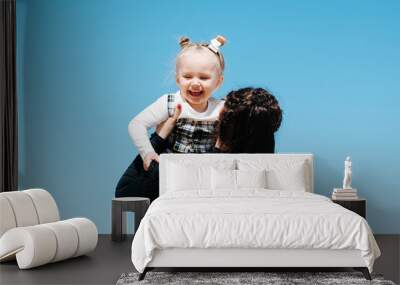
248	121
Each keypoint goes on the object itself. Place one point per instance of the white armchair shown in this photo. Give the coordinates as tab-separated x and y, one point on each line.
31	230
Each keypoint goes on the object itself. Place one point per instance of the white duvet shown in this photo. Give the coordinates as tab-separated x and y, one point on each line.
250	219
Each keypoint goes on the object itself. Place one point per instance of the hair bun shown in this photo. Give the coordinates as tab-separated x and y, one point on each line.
221	39
216	43
184	41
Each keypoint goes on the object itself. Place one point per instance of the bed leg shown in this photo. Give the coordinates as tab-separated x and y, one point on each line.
364	271
142	275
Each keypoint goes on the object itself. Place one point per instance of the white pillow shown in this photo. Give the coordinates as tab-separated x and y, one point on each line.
223	179
288	179
281	174
184	177
226	179
251	178
193	173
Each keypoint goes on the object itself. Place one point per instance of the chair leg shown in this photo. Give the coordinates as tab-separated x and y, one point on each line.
364	271
143	274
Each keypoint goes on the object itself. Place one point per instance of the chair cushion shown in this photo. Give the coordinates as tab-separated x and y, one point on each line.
24	211
26	208
46	207
7	215
40	244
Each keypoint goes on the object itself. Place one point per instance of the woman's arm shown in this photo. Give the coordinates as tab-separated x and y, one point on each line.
163	130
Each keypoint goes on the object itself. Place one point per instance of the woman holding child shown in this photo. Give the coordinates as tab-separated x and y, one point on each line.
244	123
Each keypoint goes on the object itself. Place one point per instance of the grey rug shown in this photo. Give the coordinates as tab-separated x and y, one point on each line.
269	278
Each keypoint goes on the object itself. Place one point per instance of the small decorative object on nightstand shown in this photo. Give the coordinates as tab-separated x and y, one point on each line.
344	194
347	192
347	173
347	196
358	206
120	206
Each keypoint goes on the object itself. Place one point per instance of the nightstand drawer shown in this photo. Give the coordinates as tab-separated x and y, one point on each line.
358	206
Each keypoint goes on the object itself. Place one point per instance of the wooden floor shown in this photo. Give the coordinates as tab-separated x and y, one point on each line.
111	259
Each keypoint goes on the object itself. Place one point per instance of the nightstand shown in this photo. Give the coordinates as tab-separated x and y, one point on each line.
120	206
358	206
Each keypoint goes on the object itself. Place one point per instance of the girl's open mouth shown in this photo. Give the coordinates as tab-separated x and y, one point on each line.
195	93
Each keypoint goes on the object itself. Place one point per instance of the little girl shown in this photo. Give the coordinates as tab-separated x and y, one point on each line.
199	72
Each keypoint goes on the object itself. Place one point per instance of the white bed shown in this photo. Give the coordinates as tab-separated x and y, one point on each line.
247	210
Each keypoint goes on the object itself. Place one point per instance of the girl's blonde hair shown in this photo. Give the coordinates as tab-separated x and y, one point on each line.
186	44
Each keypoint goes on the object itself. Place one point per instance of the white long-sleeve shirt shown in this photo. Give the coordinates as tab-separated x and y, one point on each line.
157	113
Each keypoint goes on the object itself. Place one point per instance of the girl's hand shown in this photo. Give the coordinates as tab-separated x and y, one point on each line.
166	127
149	158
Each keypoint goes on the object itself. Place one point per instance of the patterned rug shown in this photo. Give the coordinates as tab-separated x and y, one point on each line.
243	278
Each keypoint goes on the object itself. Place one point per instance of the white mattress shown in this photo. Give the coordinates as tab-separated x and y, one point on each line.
251	219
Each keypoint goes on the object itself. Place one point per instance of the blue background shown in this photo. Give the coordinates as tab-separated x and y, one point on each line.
86	67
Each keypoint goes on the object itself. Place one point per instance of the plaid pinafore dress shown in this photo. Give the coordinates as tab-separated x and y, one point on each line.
192	136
